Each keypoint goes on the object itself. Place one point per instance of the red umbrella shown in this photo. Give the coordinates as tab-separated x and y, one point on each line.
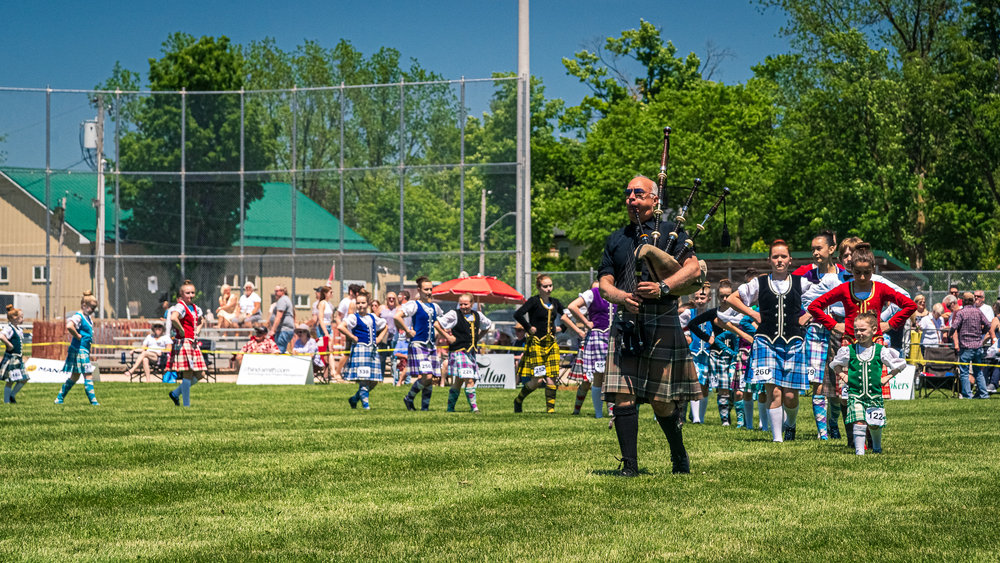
486	289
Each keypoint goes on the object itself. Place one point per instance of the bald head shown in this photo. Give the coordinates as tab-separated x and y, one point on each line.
640	198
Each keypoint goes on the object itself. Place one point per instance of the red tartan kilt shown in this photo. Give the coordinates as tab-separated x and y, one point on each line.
186	357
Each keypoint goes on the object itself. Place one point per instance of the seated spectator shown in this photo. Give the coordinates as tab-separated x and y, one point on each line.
155	344
249	308
259	344
228	307
930	327
304	345
951	305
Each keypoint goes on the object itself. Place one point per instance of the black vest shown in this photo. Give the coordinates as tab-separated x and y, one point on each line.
779	313
464	332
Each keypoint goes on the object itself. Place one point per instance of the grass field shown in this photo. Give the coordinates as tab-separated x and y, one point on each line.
292	473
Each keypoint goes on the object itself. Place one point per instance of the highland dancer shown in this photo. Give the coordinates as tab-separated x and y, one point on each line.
423	362
463	328
722	350
186	321
591	362
81	327
540	360
864	368
12	370
365	331
777	356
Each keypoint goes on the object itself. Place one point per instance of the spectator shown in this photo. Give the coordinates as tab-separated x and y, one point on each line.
249	303
228	306
388	313
952	292
921	312
323	324
346	305
304	345
155	344
930	328
968	332
259	344
402	343
980	303
993	352
282	321
951	305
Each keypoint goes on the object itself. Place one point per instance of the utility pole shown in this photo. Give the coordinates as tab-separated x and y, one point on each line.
100	281
482	233
523	228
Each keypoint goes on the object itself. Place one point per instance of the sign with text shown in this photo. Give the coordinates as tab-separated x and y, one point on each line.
496	371
50	371
273	369
901	386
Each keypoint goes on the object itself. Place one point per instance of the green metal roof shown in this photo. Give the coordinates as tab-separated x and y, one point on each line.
317	228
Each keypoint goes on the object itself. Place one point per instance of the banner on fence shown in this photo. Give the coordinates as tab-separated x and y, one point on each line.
901	386
41	370
496	371
267	369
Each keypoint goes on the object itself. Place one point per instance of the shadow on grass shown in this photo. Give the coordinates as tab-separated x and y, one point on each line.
616	472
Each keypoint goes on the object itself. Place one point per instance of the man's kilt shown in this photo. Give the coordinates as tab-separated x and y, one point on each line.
663	371
539	352
593	356
462	364
363	356
186	357
422	359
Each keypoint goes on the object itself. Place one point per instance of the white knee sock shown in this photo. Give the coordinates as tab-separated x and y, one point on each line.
696	412
702	408
790	416
595	397
748	413
762	414
876	438
859	439
774	420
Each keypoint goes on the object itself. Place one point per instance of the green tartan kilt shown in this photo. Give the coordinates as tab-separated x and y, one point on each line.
663	371
856	408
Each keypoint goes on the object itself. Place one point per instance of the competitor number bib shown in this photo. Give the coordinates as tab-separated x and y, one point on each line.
465	372
539	371
599	366
364	372
875	416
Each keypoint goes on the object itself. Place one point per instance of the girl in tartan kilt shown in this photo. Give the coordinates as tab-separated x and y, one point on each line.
422	358
186	321
590	362
540	360
722	350
81	327
865	367
12	366
778	351
365	331
700	349
463	328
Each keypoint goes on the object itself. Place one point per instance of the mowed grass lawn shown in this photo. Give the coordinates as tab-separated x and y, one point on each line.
274	473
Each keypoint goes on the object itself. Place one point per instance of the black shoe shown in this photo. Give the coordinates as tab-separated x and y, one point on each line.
13	401
790	434
518	407
834	432
353	402
409	403
681	463
628	468
176	400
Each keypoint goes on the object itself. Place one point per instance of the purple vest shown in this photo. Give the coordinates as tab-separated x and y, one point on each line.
599	311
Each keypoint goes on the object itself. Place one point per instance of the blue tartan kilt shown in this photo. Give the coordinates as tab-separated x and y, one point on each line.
721	366
779	363
817	344
462	364
422	359
363	356
78	361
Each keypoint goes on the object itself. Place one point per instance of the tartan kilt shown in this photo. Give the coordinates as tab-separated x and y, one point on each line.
856	408
461	360
363	356
186	357
78	361
721	366
817	346
539	352
663	371
12	368
593	356
423	359
779	363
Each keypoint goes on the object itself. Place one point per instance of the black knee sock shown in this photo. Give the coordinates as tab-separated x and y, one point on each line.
425	395
525	391
627	429
672	430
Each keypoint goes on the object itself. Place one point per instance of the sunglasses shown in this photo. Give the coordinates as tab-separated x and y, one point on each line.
639	192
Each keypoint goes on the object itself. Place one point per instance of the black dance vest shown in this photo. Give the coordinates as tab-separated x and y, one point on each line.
464	332
780	312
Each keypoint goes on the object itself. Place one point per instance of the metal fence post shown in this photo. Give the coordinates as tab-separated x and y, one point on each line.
343	224
461	180
402	182
183	179
295	135
243	215
48	198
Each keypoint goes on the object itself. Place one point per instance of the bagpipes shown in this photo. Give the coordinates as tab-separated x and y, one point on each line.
665	262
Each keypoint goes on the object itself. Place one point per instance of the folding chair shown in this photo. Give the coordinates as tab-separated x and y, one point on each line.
156	369
208	352
939	376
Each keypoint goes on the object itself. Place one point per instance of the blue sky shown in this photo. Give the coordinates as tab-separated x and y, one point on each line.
75	44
